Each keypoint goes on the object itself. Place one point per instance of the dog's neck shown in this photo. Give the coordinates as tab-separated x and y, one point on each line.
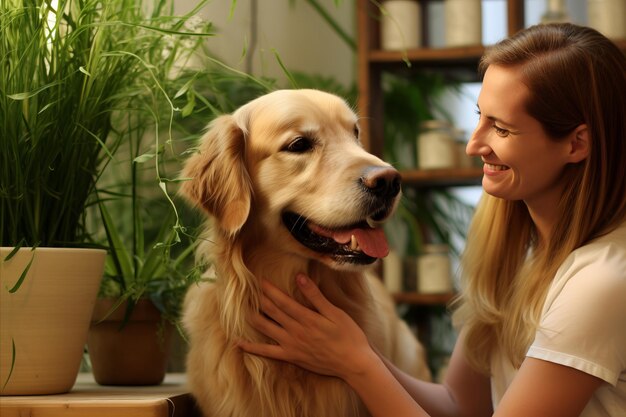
281	267
345	289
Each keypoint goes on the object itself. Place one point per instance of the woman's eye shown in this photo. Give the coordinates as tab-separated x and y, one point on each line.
503	133
299	145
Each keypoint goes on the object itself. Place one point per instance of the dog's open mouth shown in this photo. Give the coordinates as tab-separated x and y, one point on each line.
358	243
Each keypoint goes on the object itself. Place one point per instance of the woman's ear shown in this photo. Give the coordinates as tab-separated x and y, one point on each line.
579	144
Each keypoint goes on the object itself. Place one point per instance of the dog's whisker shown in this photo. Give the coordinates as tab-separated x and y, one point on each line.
299	223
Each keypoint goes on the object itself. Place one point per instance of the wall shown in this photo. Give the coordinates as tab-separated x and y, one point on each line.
296	32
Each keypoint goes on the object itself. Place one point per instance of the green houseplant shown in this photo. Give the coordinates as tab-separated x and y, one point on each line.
68	69
148	269
150	236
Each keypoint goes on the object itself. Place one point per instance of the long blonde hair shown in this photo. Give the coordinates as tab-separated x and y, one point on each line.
575	76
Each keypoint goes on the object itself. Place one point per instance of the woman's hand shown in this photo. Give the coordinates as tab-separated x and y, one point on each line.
326	341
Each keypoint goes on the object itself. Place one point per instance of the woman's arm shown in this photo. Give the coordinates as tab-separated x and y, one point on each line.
540	389
465	392
547	389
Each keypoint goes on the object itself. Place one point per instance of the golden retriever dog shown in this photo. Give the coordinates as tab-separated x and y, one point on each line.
289	189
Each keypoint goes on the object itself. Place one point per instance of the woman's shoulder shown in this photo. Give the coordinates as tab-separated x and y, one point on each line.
616	237
585	310
598	267
607	251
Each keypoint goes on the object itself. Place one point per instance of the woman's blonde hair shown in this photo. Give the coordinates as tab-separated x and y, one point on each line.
575	76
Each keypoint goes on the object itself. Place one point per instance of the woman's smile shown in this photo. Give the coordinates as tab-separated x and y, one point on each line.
493	169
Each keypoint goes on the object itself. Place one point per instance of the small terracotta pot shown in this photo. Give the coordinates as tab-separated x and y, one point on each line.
134	353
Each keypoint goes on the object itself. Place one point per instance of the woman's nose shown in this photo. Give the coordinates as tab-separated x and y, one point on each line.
476	146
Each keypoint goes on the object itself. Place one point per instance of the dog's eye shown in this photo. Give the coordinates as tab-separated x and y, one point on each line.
299	145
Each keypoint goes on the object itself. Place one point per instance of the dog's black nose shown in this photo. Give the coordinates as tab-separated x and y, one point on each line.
383	182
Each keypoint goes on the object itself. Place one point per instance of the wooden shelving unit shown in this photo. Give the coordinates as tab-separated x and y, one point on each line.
462	62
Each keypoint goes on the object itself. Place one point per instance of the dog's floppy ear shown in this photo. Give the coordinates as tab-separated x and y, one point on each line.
217	177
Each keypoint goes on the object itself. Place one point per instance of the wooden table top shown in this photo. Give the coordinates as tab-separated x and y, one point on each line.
88	399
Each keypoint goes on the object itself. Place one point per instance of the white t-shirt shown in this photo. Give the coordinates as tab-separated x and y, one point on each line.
583	324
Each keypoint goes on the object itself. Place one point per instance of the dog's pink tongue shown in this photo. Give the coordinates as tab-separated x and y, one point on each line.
371	241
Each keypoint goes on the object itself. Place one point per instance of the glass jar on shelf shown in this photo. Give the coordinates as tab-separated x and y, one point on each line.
434	270
400	25
463	22
436	146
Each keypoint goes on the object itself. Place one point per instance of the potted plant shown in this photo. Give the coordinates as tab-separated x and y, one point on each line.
149	236
138	305
68	69
148	269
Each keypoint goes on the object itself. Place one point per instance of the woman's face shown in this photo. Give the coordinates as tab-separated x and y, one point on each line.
520	161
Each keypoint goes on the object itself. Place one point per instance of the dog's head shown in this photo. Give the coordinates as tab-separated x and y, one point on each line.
289	165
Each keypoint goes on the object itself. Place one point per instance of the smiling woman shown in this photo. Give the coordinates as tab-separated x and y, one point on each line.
556	190
521	160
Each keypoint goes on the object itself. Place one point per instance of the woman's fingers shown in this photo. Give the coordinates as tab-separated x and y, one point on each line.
275	313
268	327
315	296
283	350
285	307
263	349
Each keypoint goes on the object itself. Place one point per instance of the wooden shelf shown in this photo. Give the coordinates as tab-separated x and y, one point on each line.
423	299
448	177
459	56
458	64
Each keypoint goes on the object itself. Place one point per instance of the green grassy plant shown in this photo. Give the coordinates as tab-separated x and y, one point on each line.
92	96
68	71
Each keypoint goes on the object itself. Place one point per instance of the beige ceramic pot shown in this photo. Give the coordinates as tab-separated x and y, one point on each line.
131	353
46	319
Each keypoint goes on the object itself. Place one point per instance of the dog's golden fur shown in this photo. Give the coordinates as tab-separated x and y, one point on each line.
246	174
